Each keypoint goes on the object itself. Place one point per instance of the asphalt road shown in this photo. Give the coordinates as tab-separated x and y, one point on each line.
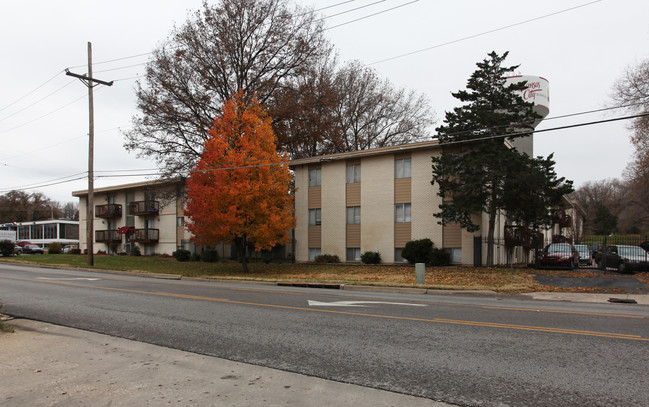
466	350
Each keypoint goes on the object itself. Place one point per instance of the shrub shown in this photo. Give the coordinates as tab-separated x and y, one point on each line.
101	251
7	248
210	256
75	251
327	258
371	258
418	251
196	257
135	251
182	255
55	248
439	257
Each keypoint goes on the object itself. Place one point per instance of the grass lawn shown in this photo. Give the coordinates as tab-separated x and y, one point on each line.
452	278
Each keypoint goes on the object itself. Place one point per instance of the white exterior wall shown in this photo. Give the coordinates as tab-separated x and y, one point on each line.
334	215
377	206
302	213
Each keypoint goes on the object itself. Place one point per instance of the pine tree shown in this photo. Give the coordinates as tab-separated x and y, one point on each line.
478	171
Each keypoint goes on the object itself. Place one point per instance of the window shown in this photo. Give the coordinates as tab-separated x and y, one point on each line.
37	231
315	217
315	177
402	213
353	254
402	168
23	232
180	221
353	173
456	254
50	231
353	215
397	254
313	253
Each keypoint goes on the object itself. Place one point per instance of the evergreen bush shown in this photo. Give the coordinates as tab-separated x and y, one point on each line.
371	258
210	256
135	251
439	257
182	255
418	251
7	248
327	258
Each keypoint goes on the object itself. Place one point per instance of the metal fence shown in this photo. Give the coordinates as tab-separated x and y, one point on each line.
620	253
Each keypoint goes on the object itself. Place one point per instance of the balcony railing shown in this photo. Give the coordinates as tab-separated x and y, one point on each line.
522	236
143	208
145	235
107	236
562	219
108	211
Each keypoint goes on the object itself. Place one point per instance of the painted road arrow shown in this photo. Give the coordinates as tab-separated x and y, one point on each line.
67	278
357	303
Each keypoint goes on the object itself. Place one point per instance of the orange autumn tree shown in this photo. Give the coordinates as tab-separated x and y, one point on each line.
240	190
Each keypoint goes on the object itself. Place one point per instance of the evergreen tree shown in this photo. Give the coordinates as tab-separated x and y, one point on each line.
478	171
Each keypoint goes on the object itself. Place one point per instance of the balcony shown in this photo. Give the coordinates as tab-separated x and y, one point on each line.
522	236
562	219
107	236
108	211
143	208
145	235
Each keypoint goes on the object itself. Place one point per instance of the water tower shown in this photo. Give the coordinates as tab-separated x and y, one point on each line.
537	92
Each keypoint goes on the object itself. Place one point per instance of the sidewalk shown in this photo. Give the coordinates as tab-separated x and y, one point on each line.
50	365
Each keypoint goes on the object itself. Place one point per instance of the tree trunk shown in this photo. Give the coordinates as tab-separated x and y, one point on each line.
490	231
241	247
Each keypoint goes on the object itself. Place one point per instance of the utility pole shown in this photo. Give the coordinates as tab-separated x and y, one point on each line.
90	82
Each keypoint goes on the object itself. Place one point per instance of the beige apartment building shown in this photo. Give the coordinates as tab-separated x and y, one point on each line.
345	204
372	200
146	214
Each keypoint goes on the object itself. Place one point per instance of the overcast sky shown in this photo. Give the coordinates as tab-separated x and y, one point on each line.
580	47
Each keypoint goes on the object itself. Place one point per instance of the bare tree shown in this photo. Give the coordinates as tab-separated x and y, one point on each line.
631	91
254	45
335	110
373	113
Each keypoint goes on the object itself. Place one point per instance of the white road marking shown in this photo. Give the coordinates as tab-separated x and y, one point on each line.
357	303
67	278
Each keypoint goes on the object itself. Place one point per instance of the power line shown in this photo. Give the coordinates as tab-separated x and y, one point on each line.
350	10
484	33
371	15
39	100
40	117
49	183
29	93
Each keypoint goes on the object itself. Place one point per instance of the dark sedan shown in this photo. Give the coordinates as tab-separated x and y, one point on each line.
32	249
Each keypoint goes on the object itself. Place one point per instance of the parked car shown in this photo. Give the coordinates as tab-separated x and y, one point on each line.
584	254
32	249
624	258
559	255
594	249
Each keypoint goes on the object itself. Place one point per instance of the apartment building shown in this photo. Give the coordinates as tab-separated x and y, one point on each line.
147	214
372	200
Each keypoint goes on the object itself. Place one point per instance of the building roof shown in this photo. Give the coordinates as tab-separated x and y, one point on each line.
366	153
135	185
